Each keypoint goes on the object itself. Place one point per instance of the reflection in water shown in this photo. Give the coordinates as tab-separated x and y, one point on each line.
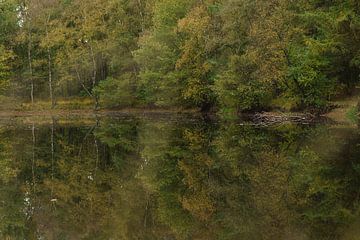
133	178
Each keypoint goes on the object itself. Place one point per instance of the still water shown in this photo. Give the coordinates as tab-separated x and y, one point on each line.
177	178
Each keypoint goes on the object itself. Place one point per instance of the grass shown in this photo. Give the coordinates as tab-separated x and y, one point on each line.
17	104
352	114
75	107
61	104
346	112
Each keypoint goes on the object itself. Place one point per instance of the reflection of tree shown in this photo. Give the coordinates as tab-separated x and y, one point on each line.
13	222
93	189
90	193
253	184
212	181
146	179
196	167
327	183
239	181
288	181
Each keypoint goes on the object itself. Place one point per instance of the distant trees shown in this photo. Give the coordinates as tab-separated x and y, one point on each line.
232	55
8	27
160	83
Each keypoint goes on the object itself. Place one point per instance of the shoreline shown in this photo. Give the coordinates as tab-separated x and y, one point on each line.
336	115
344	112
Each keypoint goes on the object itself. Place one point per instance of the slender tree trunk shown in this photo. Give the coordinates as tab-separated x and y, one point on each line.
97	149
82	84
50	80
33	156
30	64
97	157
94	76
49	66
94	66
52	150
52	197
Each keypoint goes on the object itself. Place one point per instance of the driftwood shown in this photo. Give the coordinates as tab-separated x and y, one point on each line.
269	118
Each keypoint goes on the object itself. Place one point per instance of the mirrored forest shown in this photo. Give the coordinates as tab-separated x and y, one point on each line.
140	178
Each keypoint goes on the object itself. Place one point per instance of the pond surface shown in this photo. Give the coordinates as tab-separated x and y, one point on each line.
177	178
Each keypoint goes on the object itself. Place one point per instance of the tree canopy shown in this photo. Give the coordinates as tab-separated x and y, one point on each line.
229	55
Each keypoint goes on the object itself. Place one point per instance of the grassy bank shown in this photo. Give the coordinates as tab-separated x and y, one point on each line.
345	110
17	104
61	104
75	106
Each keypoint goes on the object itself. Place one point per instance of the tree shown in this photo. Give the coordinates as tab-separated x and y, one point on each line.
159	82
8	24
197	60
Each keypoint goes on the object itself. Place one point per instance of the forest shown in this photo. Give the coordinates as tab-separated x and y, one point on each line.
211	55
180	119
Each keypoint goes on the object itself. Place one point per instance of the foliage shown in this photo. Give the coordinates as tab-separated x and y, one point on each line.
227	55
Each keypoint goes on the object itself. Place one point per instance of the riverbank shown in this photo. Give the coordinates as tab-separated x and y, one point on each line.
344	111
75	106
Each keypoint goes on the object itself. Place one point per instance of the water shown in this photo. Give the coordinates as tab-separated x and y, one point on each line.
177	178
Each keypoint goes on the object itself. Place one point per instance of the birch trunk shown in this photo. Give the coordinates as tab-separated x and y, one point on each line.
33	157
30	64
94	76
49	65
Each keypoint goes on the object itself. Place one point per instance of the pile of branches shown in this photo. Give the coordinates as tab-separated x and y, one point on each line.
269	118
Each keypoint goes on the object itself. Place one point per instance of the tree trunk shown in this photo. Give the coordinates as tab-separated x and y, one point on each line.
33	157
52	148
49	66
82	84
94	66
94	77
30	65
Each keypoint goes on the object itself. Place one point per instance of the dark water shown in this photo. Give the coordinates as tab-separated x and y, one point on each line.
176	178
